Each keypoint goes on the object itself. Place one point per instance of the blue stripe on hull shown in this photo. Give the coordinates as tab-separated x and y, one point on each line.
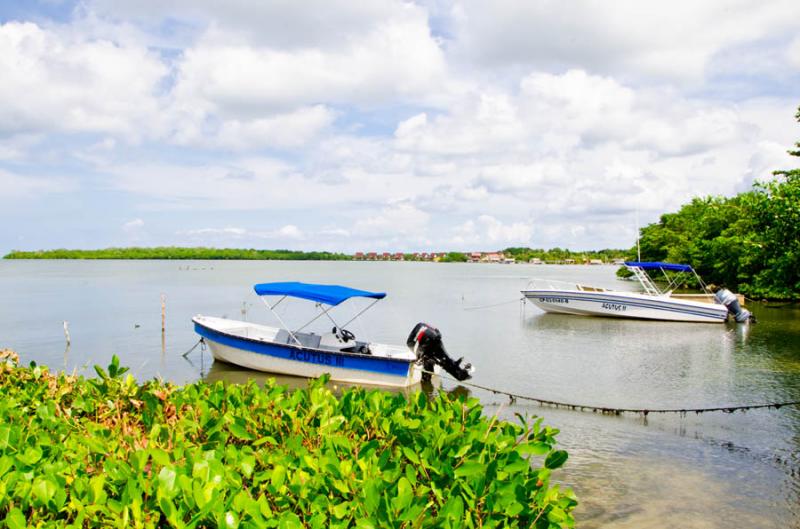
372	364
635	302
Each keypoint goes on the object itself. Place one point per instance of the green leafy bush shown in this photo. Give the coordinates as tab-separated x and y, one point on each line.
749	242
109	452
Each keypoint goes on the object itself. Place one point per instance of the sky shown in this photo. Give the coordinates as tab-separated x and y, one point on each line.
345	125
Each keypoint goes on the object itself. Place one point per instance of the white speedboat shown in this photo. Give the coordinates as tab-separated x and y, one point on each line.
337	353
651	304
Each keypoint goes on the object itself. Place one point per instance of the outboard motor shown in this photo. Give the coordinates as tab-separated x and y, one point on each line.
426	341
729	299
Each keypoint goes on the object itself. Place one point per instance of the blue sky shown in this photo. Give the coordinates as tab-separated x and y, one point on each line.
346	126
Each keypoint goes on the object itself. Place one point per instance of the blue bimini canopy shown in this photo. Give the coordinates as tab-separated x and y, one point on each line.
660	266
328	294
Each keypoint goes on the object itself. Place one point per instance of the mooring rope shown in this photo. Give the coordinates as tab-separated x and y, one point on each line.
606	410
192	348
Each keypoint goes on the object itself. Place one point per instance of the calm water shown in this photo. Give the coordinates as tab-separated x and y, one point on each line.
710	470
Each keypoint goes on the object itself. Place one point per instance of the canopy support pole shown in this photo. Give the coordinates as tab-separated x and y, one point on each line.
280	320
360	313
318	316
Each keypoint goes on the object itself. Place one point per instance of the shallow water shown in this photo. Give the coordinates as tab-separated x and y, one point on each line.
708	470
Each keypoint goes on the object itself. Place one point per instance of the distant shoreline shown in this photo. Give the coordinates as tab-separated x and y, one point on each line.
172	253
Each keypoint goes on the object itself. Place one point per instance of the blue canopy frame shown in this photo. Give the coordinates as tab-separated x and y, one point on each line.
328	294
659	266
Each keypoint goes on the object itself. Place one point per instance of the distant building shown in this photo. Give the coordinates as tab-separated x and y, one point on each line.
475	257
596	261
359	256
535	260
399	256
493	257
372	256
569	261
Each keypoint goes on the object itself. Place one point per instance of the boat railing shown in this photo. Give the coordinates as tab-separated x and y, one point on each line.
555	284
647	283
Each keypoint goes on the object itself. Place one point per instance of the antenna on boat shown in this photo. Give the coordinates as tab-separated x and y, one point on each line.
638	247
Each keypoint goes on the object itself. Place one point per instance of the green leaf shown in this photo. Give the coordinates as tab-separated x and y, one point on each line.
43	490
15	519
555	459
341	510
411	455
240	432
30	456
229	520
365	523
289	520
373	497
166	482
5	436
537	448
278	476
469	469
405	494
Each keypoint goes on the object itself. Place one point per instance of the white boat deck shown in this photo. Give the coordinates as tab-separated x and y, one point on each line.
325	342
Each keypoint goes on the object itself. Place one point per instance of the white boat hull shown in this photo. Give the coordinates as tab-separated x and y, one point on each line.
252	346
618	304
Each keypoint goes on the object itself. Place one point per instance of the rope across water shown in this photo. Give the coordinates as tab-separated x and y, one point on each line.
619	411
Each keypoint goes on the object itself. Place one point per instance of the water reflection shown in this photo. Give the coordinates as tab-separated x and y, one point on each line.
232	374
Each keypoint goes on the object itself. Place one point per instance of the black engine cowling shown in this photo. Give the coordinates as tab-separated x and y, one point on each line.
426	341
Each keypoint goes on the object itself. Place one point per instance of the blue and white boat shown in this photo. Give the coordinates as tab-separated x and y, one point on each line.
652	303
337	353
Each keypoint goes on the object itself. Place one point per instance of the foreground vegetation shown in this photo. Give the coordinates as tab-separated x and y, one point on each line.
108	452
750	242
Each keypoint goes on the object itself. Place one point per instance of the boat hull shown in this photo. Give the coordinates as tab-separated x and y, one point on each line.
298	361
626	305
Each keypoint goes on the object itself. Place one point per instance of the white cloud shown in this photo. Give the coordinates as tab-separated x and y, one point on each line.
395	219
236	233
13	185
793	53
286	130
675	41
133	225
63	83
490	233
282	25
287	232
395	58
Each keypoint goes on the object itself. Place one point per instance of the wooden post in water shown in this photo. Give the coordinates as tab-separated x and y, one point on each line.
66	331
163	312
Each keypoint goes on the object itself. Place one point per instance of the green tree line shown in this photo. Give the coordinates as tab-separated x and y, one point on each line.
749	242
562	254
175	252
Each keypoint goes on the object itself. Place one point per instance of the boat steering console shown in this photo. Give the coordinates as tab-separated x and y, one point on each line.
343	334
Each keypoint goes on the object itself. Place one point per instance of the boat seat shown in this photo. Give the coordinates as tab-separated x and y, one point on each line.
359	347
306	339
